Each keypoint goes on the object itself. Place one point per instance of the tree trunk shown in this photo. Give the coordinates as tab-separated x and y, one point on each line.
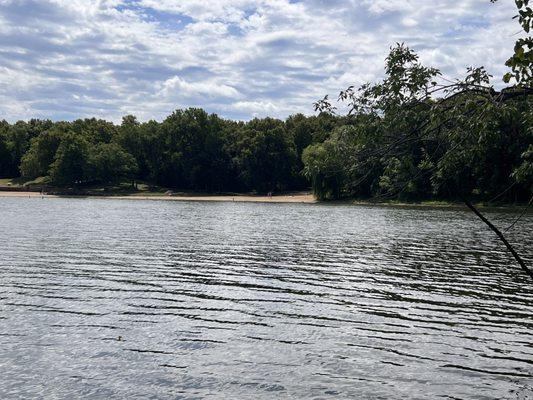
501	236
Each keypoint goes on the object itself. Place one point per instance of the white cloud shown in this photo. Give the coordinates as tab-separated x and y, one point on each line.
256	108
239	58
176	86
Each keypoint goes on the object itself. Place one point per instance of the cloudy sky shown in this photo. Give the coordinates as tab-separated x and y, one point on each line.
65	59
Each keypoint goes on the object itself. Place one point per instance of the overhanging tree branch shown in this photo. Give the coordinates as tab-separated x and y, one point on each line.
501	236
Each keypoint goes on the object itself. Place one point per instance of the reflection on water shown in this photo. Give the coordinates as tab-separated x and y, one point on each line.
132	299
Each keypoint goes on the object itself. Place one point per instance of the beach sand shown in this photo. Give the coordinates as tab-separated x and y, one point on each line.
294	198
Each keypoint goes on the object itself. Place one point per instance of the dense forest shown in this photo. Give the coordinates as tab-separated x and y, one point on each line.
194	150
189	150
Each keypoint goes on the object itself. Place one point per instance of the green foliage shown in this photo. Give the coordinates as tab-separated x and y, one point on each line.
471	141
71	161
189	150
109	163
36	161
324	169
133	139
15	141
524	172
372	153
265	157
192	155
94	130
403	143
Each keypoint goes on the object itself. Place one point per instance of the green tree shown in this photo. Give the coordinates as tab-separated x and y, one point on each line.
264	156
193	154
324	169
132	138
37	160
71	161
109	163
94	130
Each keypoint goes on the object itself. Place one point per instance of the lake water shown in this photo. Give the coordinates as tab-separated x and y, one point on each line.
177	300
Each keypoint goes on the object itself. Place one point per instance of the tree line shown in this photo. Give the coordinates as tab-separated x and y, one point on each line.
338	156
189	150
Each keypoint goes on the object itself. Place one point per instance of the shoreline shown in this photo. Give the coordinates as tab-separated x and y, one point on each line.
294	198
297	197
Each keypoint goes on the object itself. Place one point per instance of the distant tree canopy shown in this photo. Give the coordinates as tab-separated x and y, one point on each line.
189	150
337	156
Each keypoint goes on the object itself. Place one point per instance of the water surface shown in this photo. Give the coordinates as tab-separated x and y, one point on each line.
171	300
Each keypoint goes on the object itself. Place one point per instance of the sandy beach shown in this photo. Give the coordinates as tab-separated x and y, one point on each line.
289	198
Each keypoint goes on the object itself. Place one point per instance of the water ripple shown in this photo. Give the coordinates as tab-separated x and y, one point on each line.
233	300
